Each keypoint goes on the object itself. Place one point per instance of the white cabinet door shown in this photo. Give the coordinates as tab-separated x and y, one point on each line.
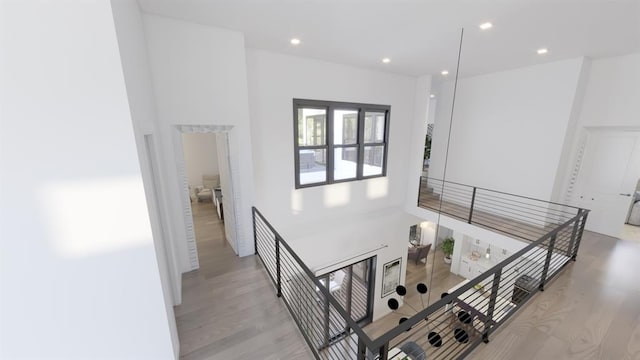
465	269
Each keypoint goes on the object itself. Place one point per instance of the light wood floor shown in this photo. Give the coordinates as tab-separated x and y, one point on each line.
630	232
591	311
229	308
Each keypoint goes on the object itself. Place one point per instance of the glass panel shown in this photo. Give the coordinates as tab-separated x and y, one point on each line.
345	162
345	127
313	166
374	127
312	127
373	160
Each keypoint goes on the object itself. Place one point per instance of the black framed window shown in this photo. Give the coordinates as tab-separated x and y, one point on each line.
339	141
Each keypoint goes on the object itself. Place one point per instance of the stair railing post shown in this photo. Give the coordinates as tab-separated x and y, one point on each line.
349	295
384	352
547	262
572	240
255	234
579	234
419	191
495	285
327	329
362	350
278	277
473	201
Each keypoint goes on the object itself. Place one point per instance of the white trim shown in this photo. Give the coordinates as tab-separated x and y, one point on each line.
573	176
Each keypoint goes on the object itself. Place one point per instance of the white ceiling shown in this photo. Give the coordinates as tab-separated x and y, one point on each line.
421	37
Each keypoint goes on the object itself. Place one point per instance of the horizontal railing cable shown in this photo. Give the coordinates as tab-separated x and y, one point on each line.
506	193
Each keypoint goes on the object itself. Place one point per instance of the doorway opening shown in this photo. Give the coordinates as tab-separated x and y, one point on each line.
353	287
207	173
631	228
207	183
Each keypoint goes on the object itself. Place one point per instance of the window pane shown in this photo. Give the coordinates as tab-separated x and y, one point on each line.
345	127
374	127
345	162
312	126
313	166
373	160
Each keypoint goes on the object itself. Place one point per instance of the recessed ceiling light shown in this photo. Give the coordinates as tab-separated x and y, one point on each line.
444	72
386	60
486	26
295	41
542	51
432	96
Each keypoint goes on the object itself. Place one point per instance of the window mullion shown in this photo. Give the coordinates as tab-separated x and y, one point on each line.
360	165
386	143
329	142
296	145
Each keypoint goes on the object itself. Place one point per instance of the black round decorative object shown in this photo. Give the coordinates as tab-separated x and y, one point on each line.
401	290
444	295
434	339
464	317
393	304
422	288
403	319
461	336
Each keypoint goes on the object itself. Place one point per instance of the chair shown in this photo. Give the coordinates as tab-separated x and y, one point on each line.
209	182
419	252
336	283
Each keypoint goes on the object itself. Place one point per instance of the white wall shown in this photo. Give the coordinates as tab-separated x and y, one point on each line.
200	156
135	67
508	128
79	274
199	78
423	108
326	224
384	234
274	80
613	90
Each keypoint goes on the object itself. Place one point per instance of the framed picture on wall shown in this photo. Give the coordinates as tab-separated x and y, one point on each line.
391	276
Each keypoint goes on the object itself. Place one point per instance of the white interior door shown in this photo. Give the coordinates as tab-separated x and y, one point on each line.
226	184
607	178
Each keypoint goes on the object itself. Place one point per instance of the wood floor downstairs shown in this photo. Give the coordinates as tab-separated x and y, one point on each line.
590	311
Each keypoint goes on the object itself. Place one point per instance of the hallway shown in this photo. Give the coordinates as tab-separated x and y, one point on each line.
229	307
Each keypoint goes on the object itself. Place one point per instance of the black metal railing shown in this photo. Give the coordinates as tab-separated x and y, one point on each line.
447	329
326	325
514	215
453	326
